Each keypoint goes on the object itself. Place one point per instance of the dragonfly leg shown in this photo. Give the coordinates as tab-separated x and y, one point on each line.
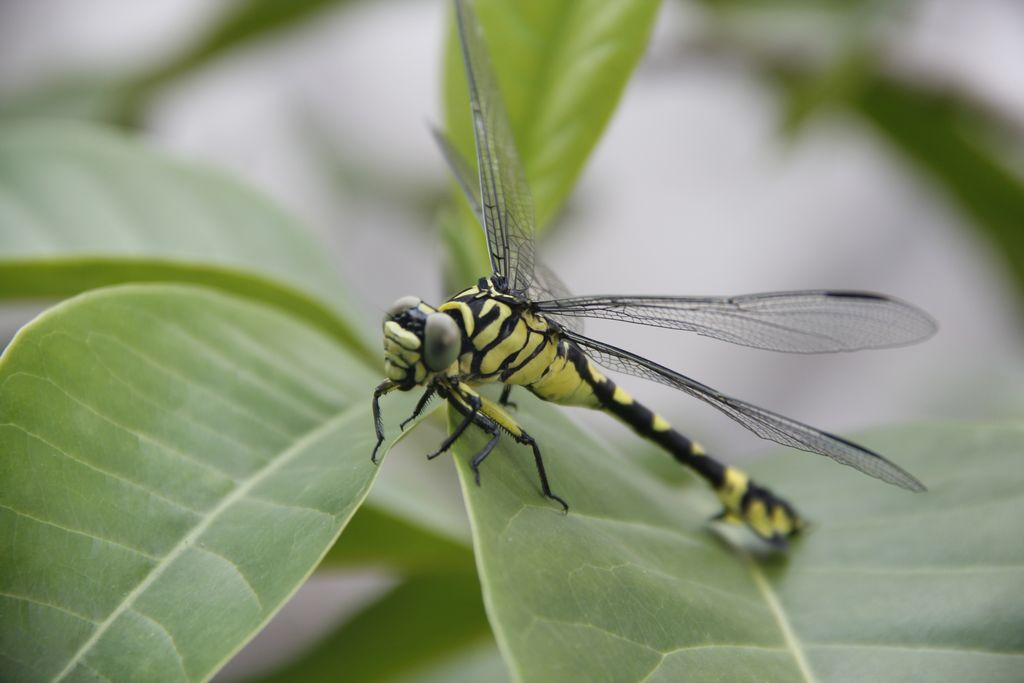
420	405
378	426
528	440
503	399
492	418
495	433
470	405
500	417
470	411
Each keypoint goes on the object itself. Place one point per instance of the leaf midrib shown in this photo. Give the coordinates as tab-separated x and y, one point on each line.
188	539
791	640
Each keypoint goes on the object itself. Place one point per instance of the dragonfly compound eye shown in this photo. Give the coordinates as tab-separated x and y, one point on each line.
442	341
402	305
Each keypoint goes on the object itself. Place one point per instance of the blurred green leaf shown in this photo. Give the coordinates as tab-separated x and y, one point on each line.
83	207
376	536
427	621
68	98
174	462
561	67
842	80
940	136
123	100
245	21
481	664
945	132
630	586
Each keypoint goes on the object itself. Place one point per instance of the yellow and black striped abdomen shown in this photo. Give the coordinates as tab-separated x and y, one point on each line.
573	380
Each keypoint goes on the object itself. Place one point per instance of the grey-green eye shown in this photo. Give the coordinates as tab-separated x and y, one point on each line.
403	305
442	341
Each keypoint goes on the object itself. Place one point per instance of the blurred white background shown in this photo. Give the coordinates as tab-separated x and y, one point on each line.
693	190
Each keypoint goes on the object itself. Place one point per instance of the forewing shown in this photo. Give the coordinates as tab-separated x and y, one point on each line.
507	207
460	168
764	423
548	286
795	322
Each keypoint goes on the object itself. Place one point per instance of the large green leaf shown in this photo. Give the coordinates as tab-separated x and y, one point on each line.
631	586
561	67
82	207
173	463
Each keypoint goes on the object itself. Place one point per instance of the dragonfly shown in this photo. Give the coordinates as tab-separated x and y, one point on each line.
520	327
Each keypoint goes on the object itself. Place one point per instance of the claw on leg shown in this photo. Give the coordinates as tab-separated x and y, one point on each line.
484	452
420	405
468	418
378	426
503	399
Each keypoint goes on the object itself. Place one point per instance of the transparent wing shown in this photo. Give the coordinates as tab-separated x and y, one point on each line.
795	322
507	207
460	168
547	285
764	423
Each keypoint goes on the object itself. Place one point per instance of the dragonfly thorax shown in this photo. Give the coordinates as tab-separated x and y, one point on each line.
419	342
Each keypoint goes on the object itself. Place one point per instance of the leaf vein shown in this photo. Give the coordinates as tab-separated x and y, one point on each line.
237	570
100	470
134	432
79	532
221	398
168	635
788	635
219	359
43	603
189	539
707	646
290	506
97	673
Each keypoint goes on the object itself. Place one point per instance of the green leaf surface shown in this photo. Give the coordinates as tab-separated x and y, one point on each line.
83	207
427	621
174	462
632	586
561	67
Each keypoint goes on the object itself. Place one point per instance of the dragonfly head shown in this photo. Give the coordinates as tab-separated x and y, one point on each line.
419	342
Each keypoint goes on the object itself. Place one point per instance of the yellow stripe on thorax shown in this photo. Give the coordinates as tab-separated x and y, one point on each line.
464	311
490	332
532	371
510	344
